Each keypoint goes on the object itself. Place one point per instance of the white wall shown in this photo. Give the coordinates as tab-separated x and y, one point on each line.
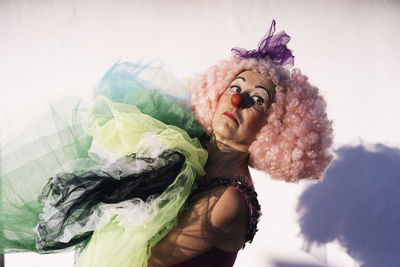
349	49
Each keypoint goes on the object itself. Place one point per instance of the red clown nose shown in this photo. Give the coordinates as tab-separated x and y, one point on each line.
236	100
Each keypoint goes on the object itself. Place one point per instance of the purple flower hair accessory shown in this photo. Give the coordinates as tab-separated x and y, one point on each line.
271	46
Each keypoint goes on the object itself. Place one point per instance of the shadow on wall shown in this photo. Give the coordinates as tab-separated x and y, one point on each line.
358	204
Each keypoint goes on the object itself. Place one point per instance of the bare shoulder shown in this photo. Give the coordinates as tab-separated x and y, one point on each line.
224	206
214	218
230	218
229	209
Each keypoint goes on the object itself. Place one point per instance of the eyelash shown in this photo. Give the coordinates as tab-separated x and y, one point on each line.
236	89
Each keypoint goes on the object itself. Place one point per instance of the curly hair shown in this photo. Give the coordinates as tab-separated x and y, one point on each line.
294	144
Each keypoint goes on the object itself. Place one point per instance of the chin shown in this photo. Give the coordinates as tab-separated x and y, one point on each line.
224	130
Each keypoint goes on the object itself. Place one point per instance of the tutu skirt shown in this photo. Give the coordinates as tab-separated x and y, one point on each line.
110	179
28	161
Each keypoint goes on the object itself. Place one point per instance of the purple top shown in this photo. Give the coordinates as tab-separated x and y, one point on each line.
216	257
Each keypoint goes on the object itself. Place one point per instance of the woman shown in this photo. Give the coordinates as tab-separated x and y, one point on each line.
258	116
121	177
217	221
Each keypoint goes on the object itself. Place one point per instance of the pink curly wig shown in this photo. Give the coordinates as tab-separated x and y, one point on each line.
294	143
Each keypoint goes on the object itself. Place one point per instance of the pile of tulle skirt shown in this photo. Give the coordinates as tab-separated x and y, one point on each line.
108	180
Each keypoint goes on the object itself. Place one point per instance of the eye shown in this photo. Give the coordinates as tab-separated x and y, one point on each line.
258	100
235	89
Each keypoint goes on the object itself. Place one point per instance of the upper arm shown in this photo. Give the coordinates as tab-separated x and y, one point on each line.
229	216
212	220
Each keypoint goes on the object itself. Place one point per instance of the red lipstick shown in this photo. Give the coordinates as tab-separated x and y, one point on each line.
230	115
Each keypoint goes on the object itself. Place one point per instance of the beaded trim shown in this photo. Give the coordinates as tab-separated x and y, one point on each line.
247	191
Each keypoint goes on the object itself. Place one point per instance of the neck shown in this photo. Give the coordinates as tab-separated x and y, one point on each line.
225	161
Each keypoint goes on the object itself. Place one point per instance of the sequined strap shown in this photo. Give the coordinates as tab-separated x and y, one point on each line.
243	185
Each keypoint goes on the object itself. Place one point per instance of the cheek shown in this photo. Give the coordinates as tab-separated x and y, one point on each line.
254	122
222	106
224	100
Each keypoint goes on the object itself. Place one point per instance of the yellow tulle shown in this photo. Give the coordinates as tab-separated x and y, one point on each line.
122	130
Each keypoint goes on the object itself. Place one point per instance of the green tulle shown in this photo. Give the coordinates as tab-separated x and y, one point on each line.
123	129
27	163
138	108
153	90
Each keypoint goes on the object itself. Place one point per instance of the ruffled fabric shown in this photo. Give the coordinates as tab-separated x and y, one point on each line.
75	203
145	86
27	162
271	46
127	165
123	129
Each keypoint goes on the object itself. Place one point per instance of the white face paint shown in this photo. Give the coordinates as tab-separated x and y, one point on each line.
238	126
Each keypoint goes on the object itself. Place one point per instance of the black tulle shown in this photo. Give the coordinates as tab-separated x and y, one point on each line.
75	198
